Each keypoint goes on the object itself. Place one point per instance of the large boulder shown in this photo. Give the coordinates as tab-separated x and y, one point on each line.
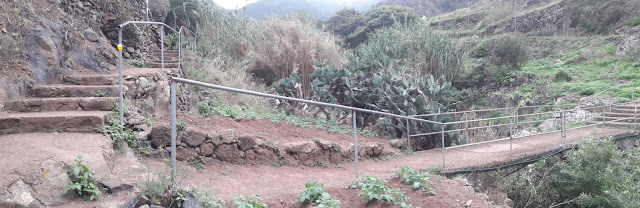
193	136
300	147
229	153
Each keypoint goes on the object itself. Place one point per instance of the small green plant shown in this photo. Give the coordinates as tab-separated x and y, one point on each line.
374	188
182	125
634	22
138	63
207	199
119	135
197	163
82	180
254	201
314	193
416	179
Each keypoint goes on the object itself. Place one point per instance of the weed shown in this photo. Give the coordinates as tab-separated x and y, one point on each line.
416	179
314	193
138	63
634	22
82	180
207	199
254	201
182	125
562	76
197	163
119	134
99	93
374	188
223	173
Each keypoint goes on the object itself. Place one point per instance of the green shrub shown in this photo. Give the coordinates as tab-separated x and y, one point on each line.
416	179
254	201
374	188
633	22
587	92
82	180
562	76
508	51
138	63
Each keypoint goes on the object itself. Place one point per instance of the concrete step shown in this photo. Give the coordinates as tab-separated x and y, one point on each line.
74	91
56	121
166	65
62	104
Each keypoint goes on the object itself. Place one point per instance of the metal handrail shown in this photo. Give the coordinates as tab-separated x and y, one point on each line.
120	47
493	109
610	88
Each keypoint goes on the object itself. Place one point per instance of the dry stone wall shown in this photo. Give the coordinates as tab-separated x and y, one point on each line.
235	147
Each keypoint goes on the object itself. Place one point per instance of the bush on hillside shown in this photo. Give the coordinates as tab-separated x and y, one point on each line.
508	51
379	17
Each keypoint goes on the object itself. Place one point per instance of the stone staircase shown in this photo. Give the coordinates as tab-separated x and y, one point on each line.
613	117
81	103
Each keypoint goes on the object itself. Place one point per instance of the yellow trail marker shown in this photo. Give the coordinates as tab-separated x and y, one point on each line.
120	47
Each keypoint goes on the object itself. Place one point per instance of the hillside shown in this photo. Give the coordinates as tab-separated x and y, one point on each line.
429	8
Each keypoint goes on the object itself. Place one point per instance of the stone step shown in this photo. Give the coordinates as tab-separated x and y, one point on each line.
628	107
621	110
55	121
62	104
614	124
166	65
110	78
166	61
607	114
617	119
74	91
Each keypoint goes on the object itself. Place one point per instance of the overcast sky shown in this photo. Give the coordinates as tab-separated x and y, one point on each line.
233	4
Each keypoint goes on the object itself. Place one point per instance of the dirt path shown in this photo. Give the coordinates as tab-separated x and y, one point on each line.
283	184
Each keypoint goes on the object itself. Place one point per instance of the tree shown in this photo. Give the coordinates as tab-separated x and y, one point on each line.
344	22
380	17
184	13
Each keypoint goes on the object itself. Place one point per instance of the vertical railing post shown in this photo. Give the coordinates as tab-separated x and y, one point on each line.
563	135
180	48
147	9
466	127
408	136
121	91
162	46
355	141
443	149
174	132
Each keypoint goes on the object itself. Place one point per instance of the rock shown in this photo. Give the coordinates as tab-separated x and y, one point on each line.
185	154
250	155
156	206
161	135
20	194
228	136
115	187
629	45
300	147
127	55
523	133
374	148
130	49
326	145
145	206
90	35
191	202
193	136
113	35
40	46
398	143
136	119
266	155
229	153
206	160
246	142
207	149
161	153
468	204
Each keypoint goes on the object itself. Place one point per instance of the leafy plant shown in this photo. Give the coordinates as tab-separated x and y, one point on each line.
82	180
120	135
314	193
254	201
562	76
416	179
374	188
